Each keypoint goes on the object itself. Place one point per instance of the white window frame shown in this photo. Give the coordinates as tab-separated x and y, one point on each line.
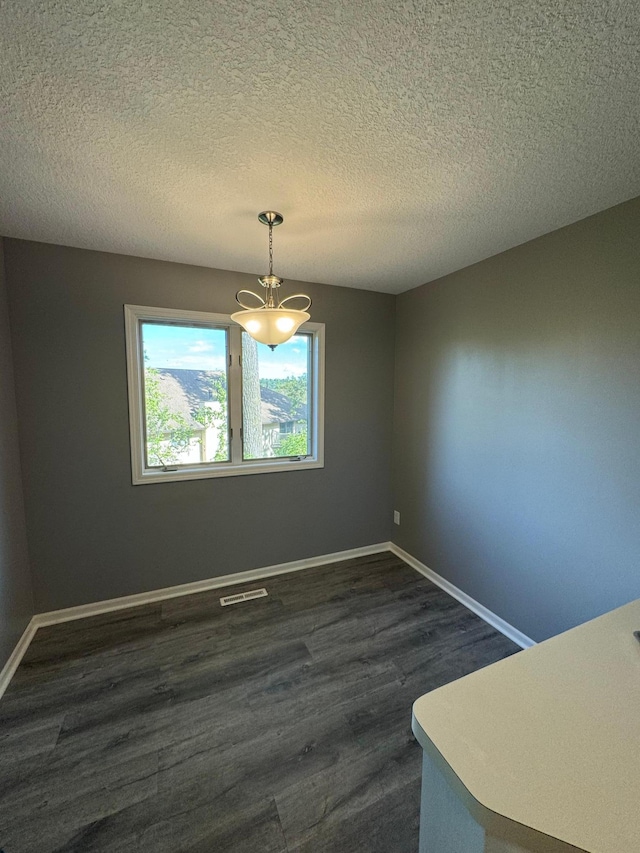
134	316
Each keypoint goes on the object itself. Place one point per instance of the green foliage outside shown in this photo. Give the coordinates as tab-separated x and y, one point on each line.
294	444
293	387
217	417
168	433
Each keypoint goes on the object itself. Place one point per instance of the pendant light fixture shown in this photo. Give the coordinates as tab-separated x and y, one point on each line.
270	323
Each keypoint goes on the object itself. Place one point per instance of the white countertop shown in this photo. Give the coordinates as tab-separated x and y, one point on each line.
550	738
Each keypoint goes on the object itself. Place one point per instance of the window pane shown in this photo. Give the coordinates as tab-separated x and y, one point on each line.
185	394
276	398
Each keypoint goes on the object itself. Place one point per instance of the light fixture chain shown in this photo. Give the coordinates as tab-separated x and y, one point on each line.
270	248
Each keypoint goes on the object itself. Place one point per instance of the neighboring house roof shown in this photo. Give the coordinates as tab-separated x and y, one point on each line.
187	390
276	408
176	398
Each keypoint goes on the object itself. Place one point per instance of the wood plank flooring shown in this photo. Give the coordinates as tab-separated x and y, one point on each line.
277	725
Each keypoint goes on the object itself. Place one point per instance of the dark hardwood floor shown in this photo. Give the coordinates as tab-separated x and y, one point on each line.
279	724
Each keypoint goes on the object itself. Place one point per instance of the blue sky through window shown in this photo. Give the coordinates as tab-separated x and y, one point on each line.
198	348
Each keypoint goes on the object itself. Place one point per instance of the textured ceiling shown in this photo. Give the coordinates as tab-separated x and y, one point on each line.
401	140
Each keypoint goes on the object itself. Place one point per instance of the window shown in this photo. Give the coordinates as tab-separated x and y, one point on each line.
206	400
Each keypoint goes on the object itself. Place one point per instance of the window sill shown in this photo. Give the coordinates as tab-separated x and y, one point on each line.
223	470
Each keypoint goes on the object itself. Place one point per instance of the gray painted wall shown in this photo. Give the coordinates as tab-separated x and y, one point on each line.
16	599
517	425
92	535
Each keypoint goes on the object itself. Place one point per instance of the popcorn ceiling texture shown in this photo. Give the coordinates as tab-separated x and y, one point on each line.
401	140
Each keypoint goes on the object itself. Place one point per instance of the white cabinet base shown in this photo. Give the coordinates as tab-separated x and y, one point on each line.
445	824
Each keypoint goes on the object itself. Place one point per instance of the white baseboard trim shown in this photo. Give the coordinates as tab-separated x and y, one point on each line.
81	611
16	655
480	610
54	617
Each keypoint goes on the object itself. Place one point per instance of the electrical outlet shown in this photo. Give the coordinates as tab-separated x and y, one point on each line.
396	517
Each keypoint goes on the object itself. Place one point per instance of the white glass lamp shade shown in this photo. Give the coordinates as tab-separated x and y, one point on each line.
271	326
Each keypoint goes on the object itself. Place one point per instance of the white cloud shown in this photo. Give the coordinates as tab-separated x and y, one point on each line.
200	346
197	362
281	370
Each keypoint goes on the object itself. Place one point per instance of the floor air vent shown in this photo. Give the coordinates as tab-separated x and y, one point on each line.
243	596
